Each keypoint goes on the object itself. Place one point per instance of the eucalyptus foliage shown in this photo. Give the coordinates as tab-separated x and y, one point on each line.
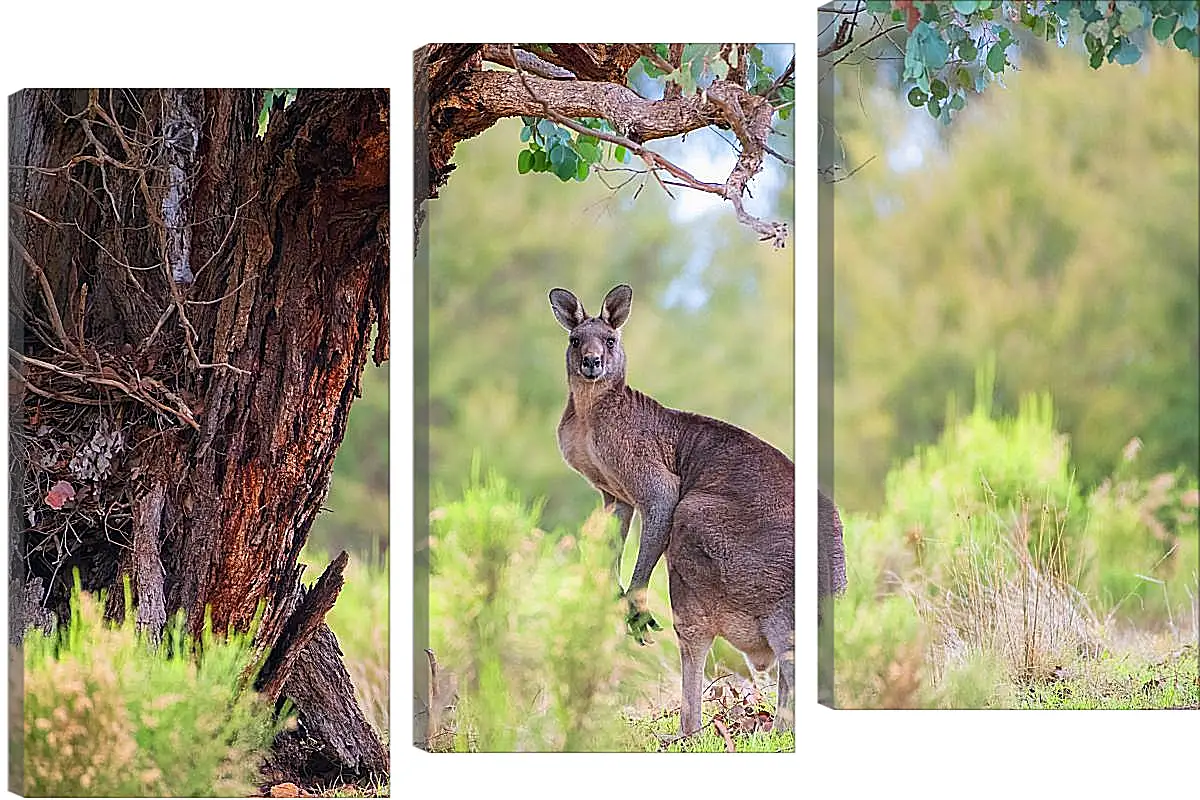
958	48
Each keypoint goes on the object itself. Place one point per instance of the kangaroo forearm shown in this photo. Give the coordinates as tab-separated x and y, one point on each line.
651	547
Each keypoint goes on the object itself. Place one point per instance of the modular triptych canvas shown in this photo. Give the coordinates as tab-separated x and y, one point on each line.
636	353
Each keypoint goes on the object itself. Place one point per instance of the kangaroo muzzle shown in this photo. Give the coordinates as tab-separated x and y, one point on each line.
591	367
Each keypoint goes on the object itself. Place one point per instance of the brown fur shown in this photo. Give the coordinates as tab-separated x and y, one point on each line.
715	499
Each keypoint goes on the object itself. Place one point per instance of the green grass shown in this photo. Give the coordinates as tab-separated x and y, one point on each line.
660	734
1129	681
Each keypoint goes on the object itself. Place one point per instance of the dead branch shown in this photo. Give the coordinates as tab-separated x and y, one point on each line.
137	389
300	628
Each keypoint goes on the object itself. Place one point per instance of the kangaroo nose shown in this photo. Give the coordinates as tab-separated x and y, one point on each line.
591	362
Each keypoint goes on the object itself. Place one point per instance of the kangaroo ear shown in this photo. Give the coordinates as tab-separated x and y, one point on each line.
617	304
567	308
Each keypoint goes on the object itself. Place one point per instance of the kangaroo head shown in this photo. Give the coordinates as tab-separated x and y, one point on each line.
594	351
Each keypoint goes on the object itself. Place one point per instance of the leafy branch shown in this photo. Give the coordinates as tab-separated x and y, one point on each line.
958	47
580	113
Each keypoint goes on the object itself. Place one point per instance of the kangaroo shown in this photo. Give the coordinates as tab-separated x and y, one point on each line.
716	500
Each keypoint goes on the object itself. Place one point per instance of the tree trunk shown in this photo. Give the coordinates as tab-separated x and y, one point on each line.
191	310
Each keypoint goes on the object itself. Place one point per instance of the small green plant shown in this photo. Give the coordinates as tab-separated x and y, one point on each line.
108	713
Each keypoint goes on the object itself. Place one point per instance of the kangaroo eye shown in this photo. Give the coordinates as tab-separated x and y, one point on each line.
574	341
611	342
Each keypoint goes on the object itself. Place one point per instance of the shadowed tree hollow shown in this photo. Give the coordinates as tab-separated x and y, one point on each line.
191	308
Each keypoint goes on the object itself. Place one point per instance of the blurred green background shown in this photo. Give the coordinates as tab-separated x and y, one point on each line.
355	515
1055	224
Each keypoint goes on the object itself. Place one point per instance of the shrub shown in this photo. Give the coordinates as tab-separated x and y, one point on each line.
529	625
987	563
108	714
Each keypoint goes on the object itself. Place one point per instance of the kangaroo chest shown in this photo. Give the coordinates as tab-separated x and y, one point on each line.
579	445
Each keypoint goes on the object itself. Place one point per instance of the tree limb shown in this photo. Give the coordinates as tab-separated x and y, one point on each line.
483	97
499	54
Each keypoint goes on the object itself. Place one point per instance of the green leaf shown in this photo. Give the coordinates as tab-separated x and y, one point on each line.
1132	19
541	162
547	130
1164	27
916	97
966	6
933	107
967	50
926	48
524	161
567	167
557	154
995	58
1183	38
697	68
526	133
930	13
1127	53
588	151
1191	42
957	102
581	172
1191	16
621	154
939	89
879	6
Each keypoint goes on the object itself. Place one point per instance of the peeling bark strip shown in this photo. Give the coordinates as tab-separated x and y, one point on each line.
224	465
563	82
181	145
148	571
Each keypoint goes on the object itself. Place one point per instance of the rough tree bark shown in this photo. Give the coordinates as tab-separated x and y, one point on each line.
456	99
191	308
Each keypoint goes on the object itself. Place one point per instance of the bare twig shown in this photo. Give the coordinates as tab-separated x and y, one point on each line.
47	294
782	79
791	162
50	394
860	46
656	59
527	61
842	38
110	378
